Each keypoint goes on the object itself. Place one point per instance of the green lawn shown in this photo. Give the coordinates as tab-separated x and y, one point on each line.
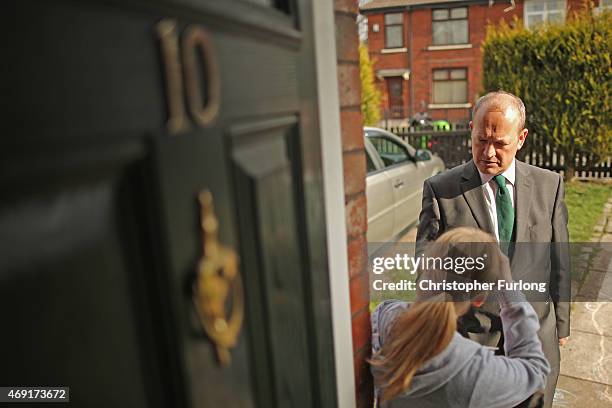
585	201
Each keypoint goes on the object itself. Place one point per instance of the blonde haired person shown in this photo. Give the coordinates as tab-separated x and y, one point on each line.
419	359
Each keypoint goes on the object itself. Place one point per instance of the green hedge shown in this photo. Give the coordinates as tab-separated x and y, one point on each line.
563	73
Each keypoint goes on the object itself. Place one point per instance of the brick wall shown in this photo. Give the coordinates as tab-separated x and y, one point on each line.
347	42
417	37
418	91
376	42
425	61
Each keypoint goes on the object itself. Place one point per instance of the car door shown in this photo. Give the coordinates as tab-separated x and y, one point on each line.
402	171
161	210
381	199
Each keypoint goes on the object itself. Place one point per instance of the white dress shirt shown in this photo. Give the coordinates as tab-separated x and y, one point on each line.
489	189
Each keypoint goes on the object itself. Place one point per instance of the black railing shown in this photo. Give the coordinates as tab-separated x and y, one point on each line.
454	147
451	143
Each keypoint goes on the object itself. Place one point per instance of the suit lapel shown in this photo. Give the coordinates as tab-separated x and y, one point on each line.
471	186
523	192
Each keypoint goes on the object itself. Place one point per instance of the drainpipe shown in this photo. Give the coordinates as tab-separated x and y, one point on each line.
410	78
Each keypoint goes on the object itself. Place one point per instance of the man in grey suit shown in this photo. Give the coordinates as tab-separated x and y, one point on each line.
515	202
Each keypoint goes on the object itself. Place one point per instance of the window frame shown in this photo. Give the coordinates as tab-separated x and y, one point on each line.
448	19
401	24
449	79
374	157
544	13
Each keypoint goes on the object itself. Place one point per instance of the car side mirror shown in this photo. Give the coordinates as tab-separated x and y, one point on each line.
422	155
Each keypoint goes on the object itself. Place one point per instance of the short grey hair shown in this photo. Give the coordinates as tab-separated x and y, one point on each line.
514	101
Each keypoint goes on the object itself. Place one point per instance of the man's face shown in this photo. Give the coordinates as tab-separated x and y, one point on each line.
496	139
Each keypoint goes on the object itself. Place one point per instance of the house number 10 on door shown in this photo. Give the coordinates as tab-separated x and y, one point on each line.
182	75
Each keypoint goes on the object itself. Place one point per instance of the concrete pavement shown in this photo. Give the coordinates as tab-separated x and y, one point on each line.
586	360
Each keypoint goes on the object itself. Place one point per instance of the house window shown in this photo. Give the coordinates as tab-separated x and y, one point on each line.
450	86
538	12
450	26
394	30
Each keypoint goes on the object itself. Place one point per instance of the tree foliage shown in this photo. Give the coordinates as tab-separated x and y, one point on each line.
370	95
563	73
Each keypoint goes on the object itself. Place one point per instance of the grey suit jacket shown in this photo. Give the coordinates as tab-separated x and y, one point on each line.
455	199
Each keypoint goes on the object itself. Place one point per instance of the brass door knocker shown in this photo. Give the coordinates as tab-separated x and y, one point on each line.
218	278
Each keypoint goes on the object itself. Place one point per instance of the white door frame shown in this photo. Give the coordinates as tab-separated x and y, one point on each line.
333	185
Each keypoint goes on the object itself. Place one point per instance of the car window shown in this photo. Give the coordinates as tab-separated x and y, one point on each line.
390	151
374	133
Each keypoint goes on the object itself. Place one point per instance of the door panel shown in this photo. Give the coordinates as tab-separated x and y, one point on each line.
101	195
404	191
188	165
74	276
381	207
403	174
381	201
264	167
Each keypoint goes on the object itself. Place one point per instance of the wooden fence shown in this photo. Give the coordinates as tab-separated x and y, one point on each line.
539	152
454	147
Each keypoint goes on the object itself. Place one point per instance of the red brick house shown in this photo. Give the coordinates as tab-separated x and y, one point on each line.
427	52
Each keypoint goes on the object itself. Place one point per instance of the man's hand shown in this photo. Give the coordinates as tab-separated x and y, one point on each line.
563	341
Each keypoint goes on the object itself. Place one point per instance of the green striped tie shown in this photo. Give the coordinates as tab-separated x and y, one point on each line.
505	212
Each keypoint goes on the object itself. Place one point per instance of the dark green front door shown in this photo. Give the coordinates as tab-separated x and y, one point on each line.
118	116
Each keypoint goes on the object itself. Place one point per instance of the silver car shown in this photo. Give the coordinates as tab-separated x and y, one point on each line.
394	185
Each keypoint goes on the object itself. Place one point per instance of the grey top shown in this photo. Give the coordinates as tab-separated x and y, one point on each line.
467	374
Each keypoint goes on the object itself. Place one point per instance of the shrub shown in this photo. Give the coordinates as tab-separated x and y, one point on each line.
563	73
370	95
